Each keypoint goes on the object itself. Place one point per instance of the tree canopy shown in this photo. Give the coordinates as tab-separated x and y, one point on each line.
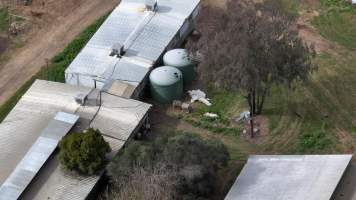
251	47
84	152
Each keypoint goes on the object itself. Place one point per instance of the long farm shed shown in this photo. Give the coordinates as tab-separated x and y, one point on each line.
141	36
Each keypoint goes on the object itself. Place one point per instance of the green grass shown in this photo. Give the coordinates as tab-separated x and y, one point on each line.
338	26
56	68
313	138
290	6
310	119
225	104
337	22
318	110
4	19
339	5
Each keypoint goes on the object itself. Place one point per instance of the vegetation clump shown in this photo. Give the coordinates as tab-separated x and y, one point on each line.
4	19
183	166
84	152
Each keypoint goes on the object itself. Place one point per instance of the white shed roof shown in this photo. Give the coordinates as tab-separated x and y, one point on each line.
307	177
146	35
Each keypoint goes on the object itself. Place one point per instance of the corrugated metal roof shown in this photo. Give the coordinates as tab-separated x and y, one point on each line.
24	124
55	183
154	37
38	154
145	35
119	118
292	177
127	71
43	100
116	28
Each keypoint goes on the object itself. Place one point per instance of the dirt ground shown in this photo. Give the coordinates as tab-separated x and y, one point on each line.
311	36
54	23
3	44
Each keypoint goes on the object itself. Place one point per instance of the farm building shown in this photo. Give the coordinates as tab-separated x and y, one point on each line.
131	42
110	70
295	177
29	166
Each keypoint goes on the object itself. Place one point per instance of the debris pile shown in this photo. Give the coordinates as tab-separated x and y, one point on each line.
198	95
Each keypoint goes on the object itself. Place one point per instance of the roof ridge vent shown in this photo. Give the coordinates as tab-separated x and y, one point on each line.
151	5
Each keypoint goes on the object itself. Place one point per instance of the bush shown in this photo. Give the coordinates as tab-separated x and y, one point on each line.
155	184
84	152
190	164
187	149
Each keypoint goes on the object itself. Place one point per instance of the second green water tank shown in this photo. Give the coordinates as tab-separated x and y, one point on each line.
166	84
179	58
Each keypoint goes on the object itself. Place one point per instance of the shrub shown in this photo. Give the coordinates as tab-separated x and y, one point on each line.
190	164
187	149
155	184
84	152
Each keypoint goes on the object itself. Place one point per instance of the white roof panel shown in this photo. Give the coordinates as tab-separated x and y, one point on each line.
126	71
307	177
92	62
154	38
116	28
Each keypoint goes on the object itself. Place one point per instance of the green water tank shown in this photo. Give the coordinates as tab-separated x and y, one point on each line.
179	58
166	84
